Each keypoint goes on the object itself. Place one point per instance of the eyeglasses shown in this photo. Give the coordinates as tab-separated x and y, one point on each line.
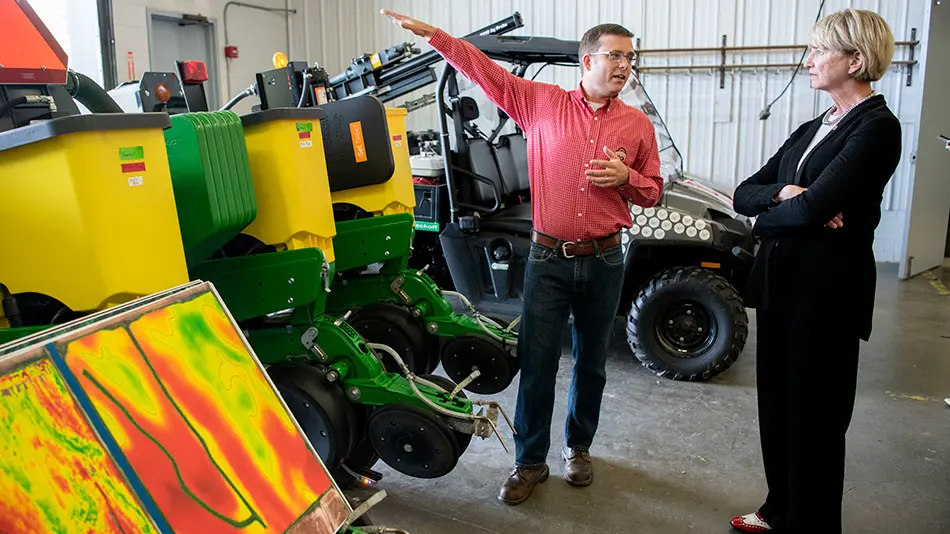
616	56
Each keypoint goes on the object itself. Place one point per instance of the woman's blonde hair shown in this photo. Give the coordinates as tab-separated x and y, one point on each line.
857	31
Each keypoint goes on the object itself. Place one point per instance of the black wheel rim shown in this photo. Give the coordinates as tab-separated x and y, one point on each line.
463	355
463	438
378	331
413	442
686	329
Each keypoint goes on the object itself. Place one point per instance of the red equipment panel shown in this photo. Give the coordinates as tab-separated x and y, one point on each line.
28	51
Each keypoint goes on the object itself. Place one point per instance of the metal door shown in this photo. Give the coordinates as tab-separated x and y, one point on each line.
182	38
926	236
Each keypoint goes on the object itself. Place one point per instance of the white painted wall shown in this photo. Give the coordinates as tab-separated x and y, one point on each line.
724	146
257	34
75	25
717	130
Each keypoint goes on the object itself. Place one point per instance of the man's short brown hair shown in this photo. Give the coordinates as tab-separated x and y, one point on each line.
590	42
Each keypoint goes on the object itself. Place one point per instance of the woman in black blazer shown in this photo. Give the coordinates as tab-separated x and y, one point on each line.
817	203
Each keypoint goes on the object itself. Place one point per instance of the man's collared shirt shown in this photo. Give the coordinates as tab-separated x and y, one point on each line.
563	135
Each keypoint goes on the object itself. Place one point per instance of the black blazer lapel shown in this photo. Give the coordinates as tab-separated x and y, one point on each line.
801	146
795	154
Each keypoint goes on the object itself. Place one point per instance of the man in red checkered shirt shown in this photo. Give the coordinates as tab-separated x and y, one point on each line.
589	156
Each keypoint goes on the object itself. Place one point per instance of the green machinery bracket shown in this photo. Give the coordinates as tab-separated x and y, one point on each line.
280	299
255	285
364	242
414	290
334	345
386	240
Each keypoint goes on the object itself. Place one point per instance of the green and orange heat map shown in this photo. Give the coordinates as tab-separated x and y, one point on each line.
198	421
60	478
207	444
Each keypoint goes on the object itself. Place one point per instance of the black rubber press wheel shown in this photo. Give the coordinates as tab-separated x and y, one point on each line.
463	438
413	441
391	325
320	408
464	354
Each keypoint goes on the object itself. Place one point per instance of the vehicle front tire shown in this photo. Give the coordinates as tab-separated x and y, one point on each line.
687	323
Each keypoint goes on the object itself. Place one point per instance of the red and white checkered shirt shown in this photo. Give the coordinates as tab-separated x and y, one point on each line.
564	134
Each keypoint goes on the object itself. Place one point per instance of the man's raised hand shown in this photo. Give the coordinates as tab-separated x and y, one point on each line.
407	23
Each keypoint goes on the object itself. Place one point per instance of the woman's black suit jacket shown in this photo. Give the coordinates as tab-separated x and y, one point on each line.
803	268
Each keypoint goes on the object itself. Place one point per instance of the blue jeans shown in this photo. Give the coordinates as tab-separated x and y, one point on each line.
555	286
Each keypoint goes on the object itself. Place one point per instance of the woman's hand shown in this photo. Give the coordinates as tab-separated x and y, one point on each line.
418	28
788	192
837	222
791	191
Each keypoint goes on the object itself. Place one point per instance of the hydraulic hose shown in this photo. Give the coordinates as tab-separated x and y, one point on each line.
250	91
29	99
306	89
10	309
90	94
481	319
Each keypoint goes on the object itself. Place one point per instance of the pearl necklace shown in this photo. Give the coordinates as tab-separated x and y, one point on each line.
828	121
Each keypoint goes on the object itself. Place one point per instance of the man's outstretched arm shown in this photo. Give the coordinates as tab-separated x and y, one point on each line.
515	96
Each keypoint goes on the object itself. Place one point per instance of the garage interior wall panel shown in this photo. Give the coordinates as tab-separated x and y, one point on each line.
717	130
257	34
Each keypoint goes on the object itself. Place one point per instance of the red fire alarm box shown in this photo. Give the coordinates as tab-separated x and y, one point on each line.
231	52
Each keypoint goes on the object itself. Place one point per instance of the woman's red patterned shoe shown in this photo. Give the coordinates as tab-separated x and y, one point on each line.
750	523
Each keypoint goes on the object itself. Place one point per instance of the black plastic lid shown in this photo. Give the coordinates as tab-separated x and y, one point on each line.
81	123
283	114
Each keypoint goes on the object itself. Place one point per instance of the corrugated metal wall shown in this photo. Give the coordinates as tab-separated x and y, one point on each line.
717	130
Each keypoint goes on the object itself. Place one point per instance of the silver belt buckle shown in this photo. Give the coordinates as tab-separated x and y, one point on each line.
564	249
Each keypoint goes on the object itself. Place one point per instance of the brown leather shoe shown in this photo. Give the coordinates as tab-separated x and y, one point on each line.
578	470
521	482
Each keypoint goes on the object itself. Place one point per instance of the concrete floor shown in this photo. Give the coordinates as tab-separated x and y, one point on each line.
675	457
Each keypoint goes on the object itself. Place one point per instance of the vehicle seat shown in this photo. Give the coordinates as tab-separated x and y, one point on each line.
501	165
515	220
482	162
512	152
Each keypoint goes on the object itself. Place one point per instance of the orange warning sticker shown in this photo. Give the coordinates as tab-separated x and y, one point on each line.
359	146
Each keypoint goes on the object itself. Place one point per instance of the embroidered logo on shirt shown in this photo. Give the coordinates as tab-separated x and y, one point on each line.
622	154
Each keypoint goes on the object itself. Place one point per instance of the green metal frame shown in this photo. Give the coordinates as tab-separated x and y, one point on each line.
386	240
364	242
259	284
255	288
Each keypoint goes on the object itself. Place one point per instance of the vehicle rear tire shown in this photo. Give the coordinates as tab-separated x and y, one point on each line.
687	323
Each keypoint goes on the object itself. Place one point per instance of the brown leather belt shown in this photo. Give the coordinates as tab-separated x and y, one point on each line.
569	249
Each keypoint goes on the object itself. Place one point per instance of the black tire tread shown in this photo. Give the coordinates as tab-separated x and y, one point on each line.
715	283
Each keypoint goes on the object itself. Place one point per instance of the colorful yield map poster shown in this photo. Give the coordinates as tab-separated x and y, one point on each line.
154	417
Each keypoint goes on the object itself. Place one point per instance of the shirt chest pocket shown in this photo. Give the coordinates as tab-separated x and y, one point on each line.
626	149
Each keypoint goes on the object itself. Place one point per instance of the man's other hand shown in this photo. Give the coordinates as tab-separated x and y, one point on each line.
418	28
614	173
